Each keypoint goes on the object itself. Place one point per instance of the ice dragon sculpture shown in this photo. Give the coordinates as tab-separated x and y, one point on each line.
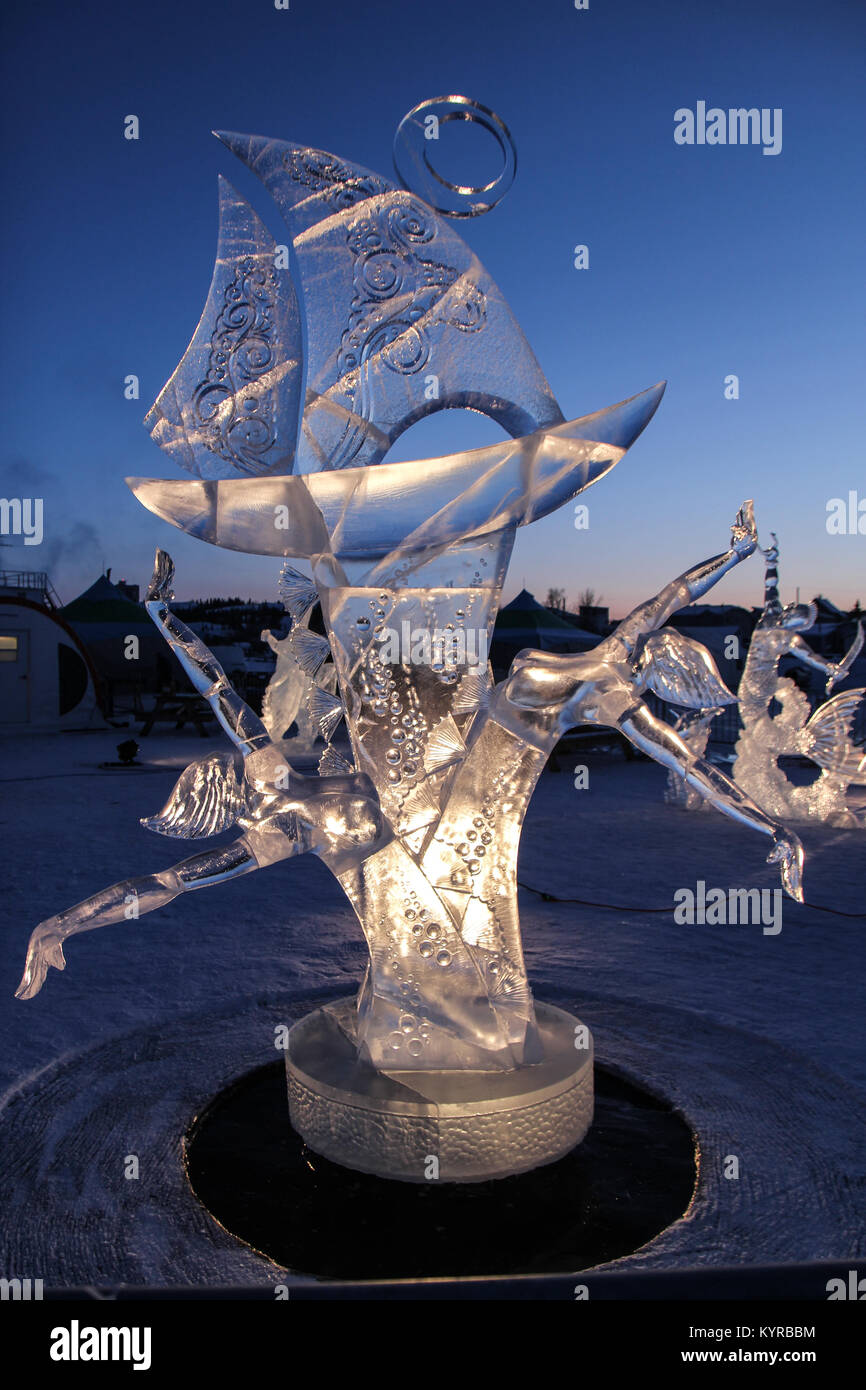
419	816
778	720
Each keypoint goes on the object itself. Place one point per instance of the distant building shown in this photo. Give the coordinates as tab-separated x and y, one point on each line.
593	618
526	623
47	681
126	651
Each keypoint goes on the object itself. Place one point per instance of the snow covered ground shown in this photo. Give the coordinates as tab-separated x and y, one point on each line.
756	1037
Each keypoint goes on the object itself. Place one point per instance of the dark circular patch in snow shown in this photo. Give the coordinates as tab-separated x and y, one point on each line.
632	1177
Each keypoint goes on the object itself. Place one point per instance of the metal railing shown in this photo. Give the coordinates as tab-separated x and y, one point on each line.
23	582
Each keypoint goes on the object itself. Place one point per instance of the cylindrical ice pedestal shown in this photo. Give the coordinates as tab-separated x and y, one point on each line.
454	1126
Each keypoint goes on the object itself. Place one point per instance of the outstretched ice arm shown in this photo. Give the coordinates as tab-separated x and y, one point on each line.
691	585
127	901
803	652
833	670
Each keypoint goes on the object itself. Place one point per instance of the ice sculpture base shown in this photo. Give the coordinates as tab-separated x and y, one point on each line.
446	1125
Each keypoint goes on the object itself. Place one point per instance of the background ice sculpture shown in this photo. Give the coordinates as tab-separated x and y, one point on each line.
299	672
698	701
444	1053
778	720
693	727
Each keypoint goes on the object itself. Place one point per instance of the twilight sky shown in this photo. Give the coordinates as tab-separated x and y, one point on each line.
705	260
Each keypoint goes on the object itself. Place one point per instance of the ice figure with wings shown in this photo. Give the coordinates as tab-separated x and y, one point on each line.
603	686
280	812
778	719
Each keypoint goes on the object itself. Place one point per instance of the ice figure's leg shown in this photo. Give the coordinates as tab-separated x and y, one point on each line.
243	727
659	741
693	727
127	901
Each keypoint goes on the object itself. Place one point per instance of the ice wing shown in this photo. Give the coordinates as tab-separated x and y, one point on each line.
206	799
681	671
828	737
394	286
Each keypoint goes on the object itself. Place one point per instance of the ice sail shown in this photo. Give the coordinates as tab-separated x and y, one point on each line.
230	410
407	320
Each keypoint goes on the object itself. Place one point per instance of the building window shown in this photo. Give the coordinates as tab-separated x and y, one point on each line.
8	648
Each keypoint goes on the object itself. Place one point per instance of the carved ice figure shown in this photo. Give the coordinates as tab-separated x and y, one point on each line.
280	812
778	720
603	686
426	845
693	727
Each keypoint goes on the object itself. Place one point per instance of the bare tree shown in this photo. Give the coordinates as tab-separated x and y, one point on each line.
588	598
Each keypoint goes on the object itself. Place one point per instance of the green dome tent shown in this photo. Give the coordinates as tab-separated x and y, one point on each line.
105	619
524	622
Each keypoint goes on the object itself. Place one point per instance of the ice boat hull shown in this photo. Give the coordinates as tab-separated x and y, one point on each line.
370	512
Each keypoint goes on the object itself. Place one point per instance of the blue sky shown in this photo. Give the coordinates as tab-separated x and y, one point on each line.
704	261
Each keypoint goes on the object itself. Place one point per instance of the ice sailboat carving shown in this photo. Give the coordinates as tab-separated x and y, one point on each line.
444	1052
401	320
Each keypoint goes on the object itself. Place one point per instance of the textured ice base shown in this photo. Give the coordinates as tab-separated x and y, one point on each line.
475	1126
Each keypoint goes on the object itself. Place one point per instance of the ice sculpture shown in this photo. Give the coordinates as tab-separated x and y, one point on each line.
280	812
778	720
601	687
444	1058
